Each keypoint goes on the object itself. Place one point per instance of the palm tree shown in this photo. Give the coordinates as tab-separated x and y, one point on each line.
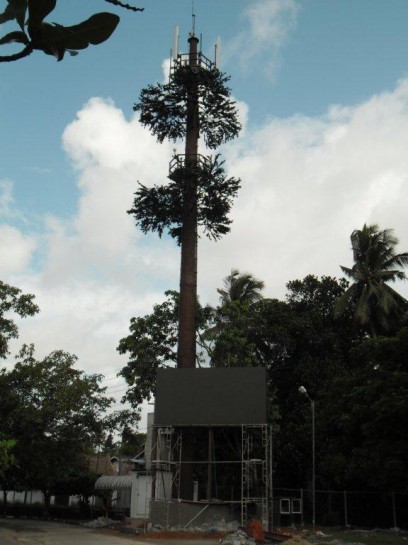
242	287
238	299
377	307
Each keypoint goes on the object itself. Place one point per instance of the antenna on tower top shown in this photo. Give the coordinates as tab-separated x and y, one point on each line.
218	53
193	18
175	42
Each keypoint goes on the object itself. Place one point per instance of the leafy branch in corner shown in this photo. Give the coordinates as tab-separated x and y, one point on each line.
52	38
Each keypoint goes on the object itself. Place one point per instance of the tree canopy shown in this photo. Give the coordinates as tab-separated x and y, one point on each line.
13	301
366	417
160	208
152	344
52	415
378	308
55	414
241	287
163	107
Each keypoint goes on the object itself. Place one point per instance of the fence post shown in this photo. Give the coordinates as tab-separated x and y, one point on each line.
394	511
301	503
345	510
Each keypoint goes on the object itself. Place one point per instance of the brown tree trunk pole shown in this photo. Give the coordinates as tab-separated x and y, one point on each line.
186	352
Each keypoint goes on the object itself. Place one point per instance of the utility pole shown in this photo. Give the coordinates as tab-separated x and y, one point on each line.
302	390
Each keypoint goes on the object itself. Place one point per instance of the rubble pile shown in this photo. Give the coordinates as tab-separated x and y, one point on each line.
237	538
101	522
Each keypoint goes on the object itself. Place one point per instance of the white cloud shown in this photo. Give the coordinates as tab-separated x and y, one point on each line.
6	198
16	250
110	154
269	24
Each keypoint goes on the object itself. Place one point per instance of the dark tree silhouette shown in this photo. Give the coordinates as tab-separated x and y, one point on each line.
377	307
241	287
52	38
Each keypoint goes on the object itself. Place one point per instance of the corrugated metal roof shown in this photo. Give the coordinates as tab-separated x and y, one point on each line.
119	482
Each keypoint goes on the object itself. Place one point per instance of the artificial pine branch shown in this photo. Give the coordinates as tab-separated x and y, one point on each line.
159	208
163	107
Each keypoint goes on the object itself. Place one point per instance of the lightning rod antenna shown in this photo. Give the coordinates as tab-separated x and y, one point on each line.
175	42
218	53
193	18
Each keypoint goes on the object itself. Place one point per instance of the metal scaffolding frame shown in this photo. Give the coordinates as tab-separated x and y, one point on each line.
256	466
167	454
256	475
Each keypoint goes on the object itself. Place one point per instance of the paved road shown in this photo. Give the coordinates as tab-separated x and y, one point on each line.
40	532
36	532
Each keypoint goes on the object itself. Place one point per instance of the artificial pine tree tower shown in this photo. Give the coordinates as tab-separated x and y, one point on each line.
195	102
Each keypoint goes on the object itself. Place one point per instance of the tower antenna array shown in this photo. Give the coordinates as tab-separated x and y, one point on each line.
175	43
193	19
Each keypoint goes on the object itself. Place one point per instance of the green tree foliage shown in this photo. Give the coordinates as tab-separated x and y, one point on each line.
366	417
131	443
231	337
229	340
52	38
160	208
12	300
152	344
241	287
315	350
163	107
298	342
54	412
7	458
378	309
123	423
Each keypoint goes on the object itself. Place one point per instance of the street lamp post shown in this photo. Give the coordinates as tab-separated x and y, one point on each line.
303	391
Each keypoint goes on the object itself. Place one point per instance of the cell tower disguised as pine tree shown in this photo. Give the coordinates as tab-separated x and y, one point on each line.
194	103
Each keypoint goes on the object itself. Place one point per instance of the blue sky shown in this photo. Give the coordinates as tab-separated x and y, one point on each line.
322	89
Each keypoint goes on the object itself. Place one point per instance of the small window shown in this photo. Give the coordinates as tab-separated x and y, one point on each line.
284	506
296	506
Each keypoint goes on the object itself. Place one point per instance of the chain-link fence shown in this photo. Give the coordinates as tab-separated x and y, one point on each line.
342	508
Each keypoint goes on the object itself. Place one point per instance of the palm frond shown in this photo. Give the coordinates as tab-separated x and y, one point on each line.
390	276
399	259
362	312
345	300
348	272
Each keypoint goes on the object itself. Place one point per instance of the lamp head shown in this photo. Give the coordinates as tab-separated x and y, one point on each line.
302	390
